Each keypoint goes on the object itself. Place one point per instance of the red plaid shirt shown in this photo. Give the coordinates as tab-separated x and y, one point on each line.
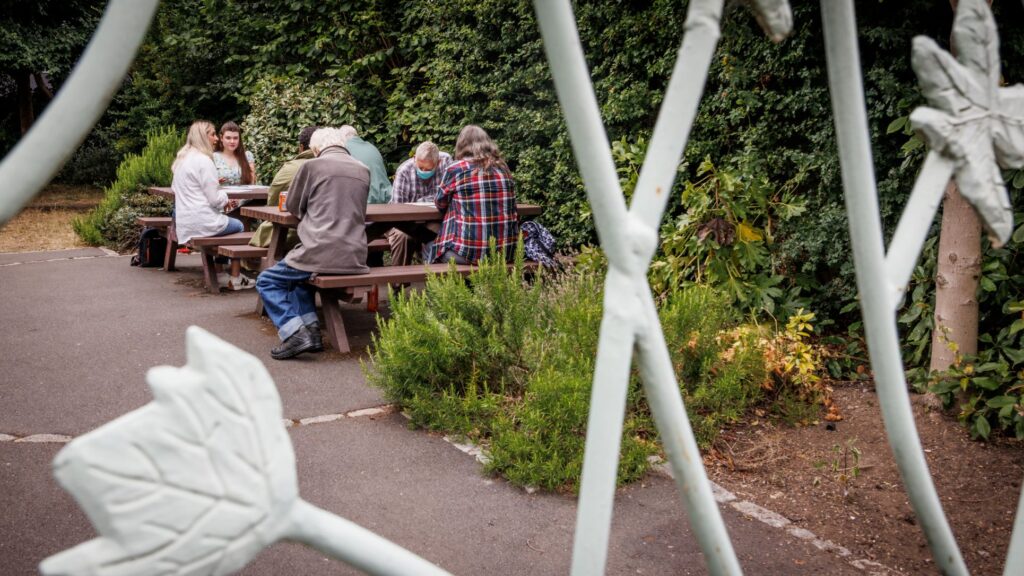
477	206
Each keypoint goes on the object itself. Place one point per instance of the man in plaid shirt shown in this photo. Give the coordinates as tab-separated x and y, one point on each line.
477	197
416	180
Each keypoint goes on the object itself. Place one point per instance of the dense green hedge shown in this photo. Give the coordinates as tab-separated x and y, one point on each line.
113	222
418	69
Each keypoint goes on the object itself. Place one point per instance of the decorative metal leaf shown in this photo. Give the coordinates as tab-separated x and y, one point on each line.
974	121
196	482
774	16
1008	127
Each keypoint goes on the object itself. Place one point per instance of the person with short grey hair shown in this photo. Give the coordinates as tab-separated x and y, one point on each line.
324	138
380	185
328	196
416	180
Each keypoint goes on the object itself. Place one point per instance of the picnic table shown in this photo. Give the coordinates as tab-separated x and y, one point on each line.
243	192
413	219
249	193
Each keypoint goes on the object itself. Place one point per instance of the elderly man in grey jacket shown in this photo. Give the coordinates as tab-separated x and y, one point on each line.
328	196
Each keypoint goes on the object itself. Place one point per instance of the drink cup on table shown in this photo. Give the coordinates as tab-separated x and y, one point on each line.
281	200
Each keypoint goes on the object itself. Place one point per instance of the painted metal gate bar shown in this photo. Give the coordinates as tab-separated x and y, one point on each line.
223	388
78	104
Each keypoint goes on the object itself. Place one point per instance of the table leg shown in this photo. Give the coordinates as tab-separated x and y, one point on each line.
276	248
335	324
210	270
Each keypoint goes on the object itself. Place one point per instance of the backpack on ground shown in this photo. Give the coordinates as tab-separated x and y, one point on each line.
152	247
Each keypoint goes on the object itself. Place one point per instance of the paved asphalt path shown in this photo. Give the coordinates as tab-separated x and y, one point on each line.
81	328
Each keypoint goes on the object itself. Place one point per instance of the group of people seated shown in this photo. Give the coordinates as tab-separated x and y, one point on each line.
327	187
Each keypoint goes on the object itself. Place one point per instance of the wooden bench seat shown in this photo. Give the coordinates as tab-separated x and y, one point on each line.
236	239
386	275
336	288
160	222
242	251
208	247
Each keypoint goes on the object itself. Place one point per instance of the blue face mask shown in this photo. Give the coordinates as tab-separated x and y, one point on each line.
425	175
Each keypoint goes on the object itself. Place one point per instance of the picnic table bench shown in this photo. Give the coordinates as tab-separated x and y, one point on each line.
162	223
255	194
337	288
208	246
237	253
410	218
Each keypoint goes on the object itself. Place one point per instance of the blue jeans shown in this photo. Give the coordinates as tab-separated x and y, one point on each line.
288	300
233	226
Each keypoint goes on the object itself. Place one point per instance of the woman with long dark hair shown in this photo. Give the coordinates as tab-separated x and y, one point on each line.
477	197
235	164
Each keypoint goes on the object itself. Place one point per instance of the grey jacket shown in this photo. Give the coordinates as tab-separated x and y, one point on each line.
328	196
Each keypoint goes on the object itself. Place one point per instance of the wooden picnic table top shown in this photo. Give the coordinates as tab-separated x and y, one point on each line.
251	192
374	213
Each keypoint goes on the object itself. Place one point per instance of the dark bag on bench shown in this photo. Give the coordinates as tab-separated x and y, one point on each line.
539	245
152	247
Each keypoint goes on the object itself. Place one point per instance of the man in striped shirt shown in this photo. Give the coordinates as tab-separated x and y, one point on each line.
416	180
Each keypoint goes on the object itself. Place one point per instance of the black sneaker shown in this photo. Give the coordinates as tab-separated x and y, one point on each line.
301	341
317	337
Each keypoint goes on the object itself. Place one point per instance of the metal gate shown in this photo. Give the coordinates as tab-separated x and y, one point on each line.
224	406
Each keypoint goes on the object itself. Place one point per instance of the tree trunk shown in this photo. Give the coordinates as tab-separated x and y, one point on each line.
41	85
24	100
956	282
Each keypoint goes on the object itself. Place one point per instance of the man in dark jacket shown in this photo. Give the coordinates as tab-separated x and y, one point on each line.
328	196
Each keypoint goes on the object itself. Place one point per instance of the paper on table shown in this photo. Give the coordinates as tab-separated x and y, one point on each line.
422	203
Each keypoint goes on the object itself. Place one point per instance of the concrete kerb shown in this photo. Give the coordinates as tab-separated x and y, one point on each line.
778	521
288	423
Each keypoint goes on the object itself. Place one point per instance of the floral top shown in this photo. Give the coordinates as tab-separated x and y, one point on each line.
227	174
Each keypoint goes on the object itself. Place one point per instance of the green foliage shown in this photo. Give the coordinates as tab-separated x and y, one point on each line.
45	36
726	238
281	108
991	396
421	69
981	384
510	365
94	163
720	376
113	222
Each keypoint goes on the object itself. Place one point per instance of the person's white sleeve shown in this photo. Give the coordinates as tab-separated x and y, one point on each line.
208	182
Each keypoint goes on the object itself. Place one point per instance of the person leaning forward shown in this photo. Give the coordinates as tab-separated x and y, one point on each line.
328	196
283	179
416	180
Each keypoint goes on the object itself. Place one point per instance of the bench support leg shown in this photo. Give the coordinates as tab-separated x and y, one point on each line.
169	255
209	270
172	249
335	325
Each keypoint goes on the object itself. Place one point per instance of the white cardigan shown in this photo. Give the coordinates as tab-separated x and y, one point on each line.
197	200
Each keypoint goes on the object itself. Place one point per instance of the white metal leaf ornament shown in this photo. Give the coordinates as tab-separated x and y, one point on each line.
201	479
774	16
974	121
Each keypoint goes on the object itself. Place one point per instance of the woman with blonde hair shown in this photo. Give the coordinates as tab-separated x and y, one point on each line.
199	204
235	164
477	197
